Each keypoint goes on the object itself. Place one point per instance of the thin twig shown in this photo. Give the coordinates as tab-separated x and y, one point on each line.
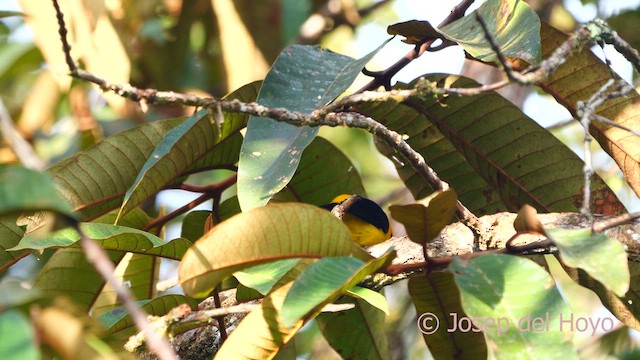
340	209
23	150
613	222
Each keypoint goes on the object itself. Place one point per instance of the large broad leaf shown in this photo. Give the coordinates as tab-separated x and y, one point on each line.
319	178
277	231
514	26
110	237
436	298
302	79
18	337
26	190
516	305
603	258
261	334
357	333
68	273
494	156
94	181
323	281
577	80
180	147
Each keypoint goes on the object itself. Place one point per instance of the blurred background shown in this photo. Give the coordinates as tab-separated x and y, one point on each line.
211	47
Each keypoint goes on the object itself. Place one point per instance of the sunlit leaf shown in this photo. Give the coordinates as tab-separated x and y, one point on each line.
302	79
374	298
517	305
603	258
577	80
261	334
263	277
514	26
277	231
18	337
323	281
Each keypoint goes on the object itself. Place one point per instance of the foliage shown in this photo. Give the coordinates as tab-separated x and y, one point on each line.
268	238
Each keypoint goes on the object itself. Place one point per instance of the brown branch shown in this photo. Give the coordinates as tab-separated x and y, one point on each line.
208	192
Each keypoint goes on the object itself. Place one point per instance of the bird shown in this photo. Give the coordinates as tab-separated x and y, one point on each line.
368	223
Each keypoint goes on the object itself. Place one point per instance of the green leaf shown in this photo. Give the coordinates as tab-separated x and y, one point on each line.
357	333
603	258
193	224
261	334
374	298
10	235
68	273
494	156
514	26
263	277
179	148
310	185
118	321
425	219
110	237
18	337
516	304
302	79
324	281
26	190
436	298
7	13
276	231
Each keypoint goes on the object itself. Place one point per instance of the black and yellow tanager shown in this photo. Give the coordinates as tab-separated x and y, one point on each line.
368	223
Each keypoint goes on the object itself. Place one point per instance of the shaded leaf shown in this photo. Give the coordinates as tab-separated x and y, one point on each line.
26	190
310	182
603	258
68	273
10	235
18	337
495	157
323	281
179	148
118	321
415	31
577	80
357	333
435	300
302	79
515	27
193	224
516	304
425	219
277	231
14	295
